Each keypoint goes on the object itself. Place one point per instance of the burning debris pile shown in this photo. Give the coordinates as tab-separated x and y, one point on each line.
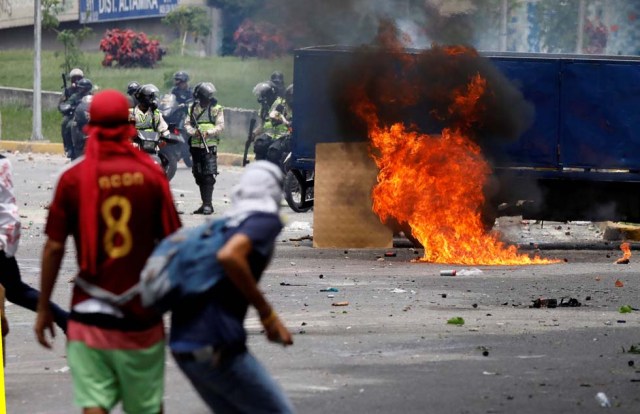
435	182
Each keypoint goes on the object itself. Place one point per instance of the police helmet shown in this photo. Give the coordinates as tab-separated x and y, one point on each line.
264	92
147	94
277	78
85	85
181	76
204	91
76	73
132	88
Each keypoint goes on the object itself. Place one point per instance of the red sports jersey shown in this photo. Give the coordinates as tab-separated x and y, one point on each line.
130	221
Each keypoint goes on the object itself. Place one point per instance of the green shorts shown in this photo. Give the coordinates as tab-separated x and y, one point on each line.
102	378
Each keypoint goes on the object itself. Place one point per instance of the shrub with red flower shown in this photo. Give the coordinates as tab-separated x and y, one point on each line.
261	39
129	49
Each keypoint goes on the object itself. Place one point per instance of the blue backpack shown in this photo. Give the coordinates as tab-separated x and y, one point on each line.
183	265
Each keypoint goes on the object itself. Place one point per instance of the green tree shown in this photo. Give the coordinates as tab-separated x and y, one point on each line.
187	20
70	39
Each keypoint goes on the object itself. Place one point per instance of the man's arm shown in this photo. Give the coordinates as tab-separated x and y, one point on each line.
51	260
217	130
233	258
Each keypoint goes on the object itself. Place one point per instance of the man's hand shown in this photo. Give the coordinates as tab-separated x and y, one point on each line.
44	321
276	331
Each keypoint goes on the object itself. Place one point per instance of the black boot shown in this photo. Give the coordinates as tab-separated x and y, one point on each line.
206	194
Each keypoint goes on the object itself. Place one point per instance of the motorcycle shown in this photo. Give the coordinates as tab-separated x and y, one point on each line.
298	184
298	187
151	143
174	114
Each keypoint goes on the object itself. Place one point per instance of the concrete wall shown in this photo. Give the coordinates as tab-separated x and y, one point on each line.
236	119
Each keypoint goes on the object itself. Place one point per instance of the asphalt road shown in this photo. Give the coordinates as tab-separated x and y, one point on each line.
390	350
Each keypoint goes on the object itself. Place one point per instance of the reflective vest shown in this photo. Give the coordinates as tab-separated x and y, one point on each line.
147	121
278	129
204	123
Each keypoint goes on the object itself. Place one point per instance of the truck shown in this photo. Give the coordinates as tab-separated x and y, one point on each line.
578	160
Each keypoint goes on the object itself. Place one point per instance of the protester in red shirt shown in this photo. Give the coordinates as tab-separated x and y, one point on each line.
116	204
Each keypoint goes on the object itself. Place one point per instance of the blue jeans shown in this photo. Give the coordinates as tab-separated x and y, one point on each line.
239	384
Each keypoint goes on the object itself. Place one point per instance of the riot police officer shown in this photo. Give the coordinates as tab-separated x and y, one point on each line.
146	114
132	88
277	79
184	97
278	127
82	88
66	107
181	89
204	124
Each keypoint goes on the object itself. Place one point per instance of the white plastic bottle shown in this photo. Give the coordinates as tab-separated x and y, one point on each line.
603	400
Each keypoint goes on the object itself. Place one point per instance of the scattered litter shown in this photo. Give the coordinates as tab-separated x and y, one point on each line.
299	225
619	283
444	295
448	272
340	304
456	320
489	373
290	284
571	303
625	309
397	290
469	272
307	237
633	349
603	400
545	303
390	254
331	296
331	289
63	369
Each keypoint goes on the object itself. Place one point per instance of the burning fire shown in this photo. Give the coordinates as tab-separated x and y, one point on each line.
434	183
626	253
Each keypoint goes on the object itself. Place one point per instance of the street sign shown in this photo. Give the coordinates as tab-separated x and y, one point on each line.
92	11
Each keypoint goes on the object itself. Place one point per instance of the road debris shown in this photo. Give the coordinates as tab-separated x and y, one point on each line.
451	272
340	304
571	303
331	289
545	303
603	400
619	283
625	309
456	320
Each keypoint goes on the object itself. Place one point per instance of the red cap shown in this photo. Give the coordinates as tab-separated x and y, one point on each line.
109	107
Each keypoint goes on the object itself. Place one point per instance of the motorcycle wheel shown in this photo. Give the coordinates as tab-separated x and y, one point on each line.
299	196
169	165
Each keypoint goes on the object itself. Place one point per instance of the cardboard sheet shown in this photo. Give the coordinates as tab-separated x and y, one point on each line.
342	216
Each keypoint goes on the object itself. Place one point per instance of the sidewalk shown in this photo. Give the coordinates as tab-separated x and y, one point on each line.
45	147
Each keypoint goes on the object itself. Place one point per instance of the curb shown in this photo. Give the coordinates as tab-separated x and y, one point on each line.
45	147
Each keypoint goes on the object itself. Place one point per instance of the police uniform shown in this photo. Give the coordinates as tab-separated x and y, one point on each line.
205	125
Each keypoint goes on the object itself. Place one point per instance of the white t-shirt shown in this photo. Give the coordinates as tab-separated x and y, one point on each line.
9	217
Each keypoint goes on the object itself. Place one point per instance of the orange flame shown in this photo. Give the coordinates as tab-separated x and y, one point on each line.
434	183
626	253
